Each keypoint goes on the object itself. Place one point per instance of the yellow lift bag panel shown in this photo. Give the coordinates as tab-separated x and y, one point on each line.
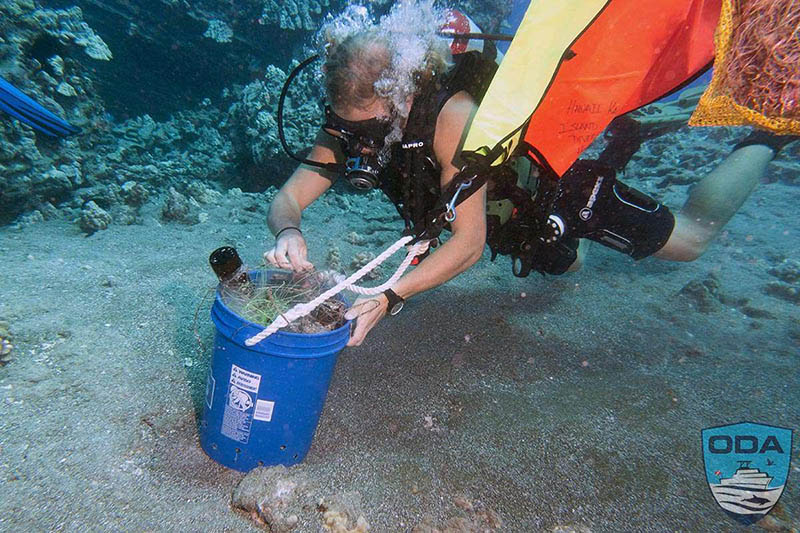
547	30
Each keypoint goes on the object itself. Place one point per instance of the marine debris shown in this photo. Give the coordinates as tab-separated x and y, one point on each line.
273	293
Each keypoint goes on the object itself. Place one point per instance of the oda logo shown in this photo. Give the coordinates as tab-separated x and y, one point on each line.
747	465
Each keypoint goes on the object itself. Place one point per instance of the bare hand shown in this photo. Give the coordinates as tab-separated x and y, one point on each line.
290	252
367	312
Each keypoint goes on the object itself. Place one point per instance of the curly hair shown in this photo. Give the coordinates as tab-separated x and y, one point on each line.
368	65
353	67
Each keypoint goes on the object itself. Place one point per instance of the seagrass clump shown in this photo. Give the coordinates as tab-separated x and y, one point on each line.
271	294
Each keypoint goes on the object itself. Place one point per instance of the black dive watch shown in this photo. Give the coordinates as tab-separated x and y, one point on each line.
396	303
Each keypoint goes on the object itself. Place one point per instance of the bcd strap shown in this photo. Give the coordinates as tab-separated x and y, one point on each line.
464	184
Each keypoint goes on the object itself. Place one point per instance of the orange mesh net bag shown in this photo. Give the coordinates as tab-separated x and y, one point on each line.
756	79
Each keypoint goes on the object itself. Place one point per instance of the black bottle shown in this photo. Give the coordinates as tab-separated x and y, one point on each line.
228	267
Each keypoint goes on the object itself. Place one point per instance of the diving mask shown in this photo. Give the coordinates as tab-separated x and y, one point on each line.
361	143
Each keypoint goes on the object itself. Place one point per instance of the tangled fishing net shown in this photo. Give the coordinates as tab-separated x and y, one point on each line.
269	294
756	78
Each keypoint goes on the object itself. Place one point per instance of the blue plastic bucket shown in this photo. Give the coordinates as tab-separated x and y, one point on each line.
263	402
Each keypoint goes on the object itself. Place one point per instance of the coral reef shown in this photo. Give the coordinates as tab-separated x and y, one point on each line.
787	287
35	56
219	31
113	165
179	208
355	238
334	258
487	14
202	193
788	271
295	15
65	25
252	118
361	259
134	194
704	294
93	218
199	144
784	291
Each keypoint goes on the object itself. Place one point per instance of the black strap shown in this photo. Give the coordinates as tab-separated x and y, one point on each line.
476	174
287	228
624	136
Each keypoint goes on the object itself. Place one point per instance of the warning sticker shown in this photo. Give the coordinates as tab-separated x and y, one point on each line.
264	410
244	379
237	420
236	425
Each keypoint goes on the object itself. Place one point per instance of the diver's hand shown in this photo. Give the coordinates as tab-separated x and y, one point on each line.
367	312
290	252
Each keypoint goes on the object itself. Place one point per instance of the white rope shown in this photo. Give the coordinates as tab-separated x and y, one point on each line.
413	252
301	310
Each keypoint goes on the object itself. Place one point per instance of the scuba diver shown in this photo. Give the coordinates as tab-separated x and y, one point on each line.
403	131
28	111
396	126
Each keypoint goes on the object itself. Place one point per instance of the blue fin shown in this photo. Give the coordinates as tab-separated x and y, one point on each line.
26	109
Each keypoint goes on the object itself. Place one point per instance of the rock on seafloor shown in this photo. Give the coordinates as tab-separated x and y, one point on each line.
282	498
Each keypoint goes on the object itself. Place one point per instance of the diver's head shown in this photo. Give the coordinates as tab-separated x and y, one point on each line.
356	114
352	69
372	72
382	63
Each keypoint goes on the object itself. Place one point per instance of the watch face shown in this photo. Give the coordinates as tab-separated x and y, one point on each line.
395	302
396	308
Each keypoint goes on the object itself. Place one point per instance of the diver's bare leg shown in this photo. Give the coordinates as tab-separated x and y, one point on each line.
713	202
583	247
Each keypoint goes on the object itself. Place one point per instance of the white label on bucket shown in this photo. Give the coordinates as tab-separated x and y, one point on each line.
238	416
264	410
245	380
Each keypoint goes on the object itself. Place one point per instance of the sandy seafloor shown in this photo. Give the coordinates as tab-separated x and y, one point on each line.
580	403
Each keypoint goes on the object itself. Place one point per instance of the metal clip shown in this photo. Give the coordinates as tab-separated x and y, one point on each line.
450	214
